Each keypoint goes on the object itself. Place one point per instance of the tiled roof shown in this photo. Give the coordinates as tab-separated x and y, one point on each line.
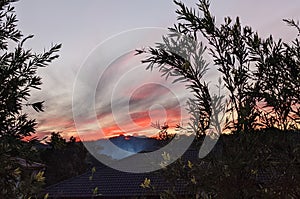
110	183
114	183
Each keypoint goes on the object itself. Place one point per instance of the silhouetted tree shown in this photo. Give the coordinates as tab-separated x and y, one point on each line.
263	80
278	76
18	68
235	49
64	159
182	58
259	74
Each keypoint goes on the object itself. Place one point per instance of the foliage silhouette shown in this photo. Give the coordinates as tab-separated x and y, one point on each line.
181	57
18	68
262	77
236	50
64	159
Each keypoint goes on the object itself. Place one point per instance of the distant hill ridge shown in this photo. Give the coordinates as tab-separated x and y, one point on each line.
136	144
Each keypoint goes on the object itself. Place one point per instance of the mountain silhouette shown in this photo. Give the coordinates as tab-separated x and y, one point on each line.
129	145
136	144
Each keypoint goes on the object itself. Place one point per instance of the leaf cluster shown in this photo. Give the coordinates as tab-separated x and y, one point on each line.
18	76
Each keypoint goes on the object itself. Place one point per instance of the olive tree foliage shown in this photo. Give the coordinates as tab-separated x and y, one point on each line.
18	76
278	74
181	58
261	75
255	70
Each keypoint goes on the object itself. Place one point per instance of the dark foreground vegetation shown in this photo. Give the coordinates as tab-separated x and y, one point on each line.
258	159
258	164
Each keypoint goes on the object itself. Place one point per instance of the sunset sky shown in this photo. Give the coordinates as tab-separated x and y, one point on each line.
81	26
